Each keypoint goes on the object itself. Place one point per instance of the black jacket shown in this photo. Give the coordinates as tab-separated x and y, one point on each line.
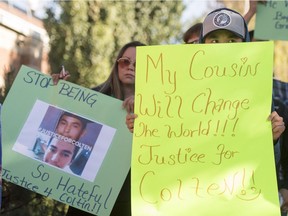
282	157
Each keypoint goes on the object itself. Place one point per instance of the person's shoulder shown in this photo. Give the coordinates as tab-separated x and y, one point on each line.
104	89
97	88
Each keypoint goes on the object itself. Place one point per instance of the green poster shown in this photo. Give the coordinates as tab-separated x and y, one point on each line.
272	20
202	144
65	141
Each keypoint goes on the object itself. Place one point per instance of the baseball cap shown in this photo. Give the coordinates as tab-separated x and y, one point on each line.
224	19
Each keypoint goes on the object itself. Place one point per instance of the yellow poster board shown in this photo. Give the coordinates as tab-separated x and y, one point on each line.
202	144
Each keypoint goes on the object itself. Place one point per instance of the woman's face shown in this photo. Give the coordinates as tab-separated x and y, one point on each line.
126	66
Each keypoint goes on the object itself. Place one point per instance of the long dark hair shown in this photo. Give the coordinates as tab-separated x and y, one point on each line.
112	86
193	30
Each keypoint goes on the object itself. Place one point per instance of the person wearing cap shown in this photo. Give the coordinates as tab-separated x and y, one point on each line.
191	36
227	26
224	26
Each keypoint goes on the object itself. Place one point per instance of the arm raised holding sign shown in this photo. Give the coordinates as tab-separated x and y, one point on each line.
62	75
191	36
252	9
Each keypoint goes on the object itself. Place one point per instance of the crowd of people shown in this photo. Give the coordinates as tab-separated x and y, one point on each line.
121	85
121	82
234	31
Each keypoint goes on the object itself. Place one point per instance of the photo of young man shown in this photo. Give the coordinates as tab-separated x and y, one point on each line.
64	140
71	126
60	153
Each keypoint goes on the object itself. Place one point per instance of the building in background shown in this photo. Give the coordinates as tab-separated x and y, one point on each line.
23	41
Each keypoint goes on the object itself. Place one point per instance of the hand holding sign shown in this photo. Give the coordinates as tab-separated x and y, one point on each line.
194	143
65	140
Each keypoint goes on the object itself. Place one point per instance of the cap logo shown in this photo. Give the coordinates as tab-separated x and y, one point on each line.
222	20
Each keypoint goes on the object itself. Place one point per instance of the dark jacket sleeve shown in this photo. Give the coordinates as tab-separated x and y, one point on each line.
99	88
282	167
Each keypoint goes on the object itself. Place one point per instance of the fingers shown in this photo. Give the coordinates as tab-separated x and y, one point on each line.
128	104
278	125
274	117
64	75
284	207
284	195
130	118
55	78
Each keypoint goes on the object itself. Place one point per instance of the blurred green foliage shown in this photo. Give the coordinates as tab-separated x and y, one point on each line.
87	35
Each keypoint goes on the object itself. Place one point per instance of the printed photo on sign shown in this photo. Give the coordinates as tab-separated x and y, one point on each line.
64	140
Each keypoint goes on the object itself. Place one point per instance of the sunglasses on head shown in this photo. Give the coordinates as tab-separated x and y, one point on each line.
125	62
